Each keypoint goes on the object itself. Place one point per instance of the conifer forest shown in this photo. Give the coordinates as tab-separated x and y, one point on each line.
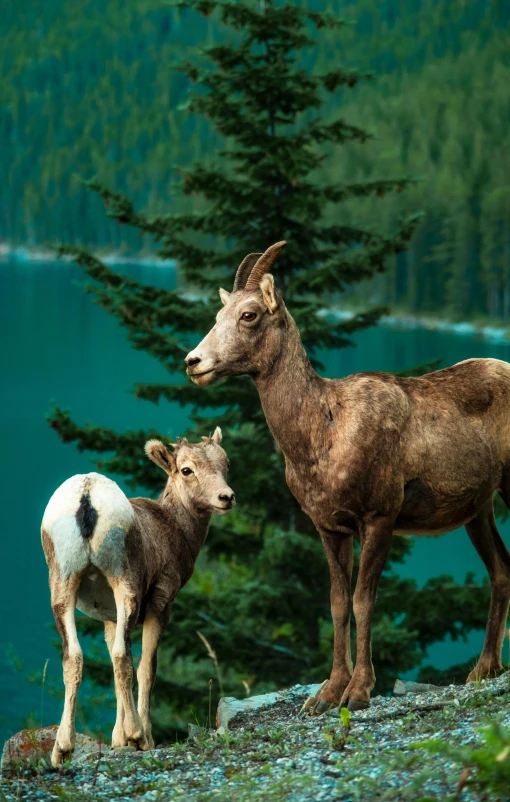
436	105
372	135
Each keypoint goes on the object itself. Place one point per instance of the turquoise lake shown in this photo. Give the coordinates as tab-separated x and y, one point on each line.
57	345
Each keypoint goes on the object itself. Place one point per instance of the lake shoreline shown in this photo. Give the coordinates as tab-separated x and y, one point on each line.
404	320
20	254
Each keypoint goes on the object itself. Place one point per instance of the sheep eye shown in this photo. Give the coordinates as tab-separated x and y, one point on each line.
248	316
228	465
186	471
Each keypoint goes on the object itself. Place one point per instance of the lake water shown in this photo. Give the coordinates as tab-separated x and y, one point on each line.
57	345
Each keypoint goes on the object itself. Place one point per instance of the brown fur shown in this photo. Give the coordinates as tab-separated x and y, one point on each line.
373	455
159	553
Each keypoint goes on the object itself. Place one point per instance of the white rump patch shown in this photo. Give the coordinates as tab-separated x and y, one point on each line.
71	549
105	549
113	509
65	500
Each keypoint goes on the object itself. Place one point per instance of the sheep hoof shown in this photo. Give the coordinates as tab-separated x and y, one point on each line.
59	756
354	706
138	744
323	707
311	703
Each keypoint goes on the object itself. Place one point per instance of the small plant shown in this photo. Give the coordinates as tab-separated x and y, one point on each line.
96	769
275	734
43	681
337	740
214	657
484	767
29	766
210	703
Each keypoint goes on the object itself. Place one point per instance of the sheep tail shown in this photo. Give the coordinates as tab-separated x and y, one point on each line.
86	517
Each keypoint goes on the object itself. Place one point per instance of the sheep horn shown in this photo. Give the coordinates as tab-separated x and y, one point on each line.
263	265
244	270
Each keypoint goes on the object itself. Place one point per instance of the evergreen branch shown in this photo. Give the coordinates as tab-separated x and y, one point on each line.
349	235
318	332
337	193
357	264
324	20
94	267
143	309
279	25
335	78
275	647
213	184
120	208
444	598
118	205
337	132
245	121
129	456
421	370
188	394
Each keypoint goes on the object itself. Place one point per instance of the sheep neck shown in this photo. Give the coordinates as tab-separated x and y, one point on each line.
292	393
190	524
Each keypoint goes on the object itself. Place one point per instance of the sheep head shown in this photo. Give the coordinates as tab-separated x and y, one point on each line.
245	335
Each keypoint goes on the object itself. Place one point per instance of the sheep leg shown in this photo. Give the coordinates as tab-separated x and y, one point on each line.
375	539
153	627
63	602
127	616
486	539
339	553
119	737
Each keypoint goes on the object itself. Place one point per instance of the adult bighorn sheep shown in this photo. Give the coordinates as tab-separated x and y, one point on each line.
371	454
123	561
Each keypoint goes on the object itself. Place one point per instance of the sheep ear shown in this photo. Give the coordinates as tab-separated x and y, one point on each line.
224	295
217	436
268	293
161	455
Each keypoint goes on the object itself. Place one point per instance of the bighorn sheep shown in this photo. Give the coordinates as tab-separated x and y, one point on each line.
122	561
371	454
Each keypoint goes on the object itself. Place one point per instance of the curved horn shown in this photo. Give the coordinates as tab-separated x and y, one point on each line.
244	270
263	265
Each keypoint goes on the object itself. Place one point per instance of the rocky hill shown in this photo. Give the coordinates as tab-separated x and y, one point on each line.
424	743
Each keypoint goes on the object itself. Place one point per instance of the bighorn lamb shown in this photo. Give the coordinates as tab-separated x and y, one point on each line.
122	561
371	454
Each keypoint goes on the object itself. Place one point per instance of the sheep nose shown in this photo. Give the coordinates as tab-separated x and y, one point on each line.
228	498
192	360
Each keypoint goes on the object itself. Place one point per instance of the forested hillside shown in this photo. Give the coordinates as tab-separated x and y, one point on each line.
89	89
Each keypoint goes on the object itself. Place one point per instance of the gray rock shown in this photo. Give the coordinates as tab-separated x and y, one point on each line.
33	745
229	707
402	687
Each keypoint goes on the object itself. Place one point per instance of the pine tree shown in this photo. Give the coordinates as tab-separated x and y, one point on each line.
261	592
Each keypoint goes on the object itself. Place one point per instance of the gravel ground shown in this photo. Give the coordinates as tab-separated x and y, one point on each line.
277	754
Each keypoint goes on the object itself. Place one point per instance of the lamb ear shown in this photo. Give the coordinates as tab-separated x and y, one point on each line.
268	293
161	455
217	436
224	295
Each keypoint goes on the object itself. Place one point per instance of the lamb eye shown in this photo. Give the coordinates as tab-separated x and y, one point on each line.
248	316
186	471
